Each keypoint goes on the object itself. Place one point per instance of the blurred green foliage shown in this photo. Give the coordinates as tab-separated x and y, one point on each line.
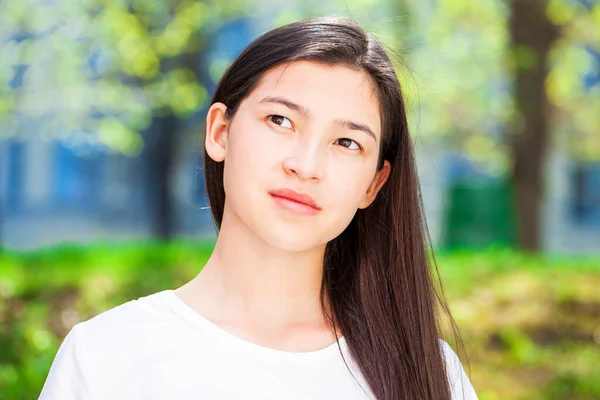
126	61
530	324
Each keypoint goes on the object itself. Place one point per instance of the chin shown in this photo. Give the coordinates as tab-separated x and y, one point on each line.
288	240
295	236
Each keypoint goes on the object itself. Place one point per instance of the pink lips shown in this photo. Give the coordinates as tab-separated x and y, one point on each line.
296	202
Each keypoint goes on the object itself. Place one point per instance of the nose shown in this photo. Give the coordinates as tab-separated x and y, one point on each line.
307	161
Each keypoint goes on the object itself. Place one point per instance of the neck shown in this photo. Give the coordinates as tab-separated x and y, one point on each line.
249	279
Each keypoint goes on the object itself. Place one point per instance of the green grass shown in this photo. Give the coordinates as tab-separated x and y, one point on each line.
530	324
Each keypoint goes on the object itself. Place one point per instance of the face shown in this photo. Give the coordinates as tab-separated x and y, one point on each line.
307	127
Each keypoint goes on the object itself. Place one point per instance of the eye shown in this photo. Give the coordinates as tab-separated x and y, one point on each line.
281	121
347	143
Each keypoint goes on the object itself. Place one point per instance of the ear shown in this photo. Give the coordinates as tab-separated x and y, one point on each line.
380	178
217	128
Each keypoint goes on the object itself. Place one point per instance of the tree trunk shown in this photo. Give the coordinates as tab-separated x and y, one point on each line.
162	157
161	160
532	35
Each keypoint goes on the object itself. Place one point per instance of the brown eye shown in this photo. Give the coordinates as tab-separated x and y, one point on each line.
347	143
281	121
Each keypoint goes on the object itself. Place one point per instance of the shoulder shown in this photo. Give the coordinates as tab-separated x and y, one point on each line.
129	316
107	347
460	385
129	323
115	335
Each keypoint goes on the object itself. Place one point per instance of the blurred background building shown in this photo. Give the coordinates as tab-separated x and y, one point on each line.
104	177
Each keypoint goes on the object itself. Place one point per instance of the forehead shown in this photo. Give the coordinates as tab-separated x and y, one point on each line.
326	91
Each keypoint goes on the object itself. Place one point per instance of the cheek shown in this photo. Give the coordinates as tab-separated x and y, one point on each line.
348	183
249	155
345	190
250	144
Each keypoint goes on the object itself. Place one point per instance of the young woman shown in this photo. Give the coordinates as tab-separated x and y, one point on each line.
319	286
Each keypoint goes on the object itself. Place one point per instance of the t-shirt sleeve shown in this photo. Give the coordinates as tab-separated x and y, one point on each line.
67	379
460	386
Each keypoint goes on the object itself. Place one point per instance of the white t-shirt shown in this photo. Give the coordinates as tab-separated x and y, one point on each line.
157	347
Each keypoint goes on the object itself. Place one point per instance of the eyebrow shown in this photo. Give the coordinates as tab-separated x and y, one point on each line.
352	125
289	104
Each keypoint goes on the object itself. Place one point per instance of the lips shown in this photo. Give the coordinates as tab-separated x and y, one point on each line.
295	196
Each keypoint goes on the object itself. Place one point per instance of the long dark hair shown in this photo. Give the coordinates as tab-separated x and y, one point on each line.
377	274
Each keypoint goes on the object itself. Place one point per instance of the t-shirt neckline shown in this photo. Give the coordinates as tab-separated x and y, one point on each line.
170	298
